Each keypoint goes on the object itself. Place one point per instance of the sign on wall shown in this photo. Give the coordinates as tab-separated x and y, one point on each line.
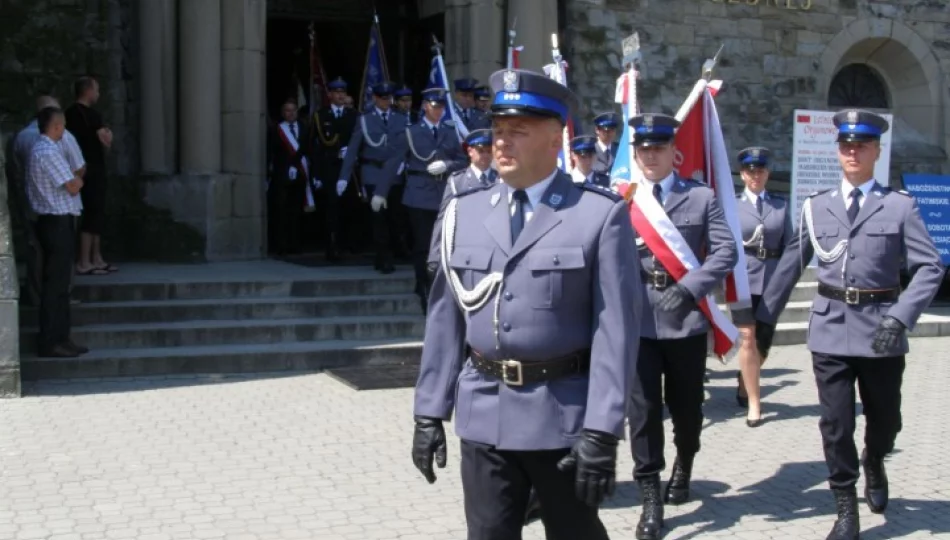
932	193
815	164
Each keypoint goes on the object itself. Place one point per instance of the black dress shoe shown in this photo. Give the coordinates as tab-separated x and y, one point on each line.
875	482
848	525
59	351
533	512
386	268
677	489
651	517
743	401
80	349
753	423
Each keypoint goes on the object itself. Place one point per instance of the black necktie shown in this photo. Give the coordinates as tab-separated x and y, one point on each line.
517	219
435	132
385	120
293	130
658	193
483	178
758	204
855	204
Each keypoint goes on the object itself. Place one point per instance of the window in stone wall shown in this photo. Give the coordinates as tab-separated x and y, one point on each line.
858	85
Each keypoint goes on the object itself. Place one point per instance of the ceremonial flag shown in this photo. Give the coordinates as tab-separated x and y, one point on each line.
318	76
558	72
624	169
438	79
513	51
375	70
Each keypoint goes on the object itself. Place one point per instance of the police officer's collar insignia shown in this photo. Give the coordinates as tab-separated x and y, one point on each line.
494	198
852	117
510	81
681	183
556	199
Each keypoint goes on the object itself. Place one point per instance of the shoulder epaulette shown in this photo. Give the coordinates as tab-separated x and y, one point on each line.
473	189
903	192
821	192
778	197
450	123
609	193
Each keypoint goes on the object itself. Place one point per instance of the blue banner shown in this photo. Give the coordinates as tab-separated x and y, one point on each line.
932	193
374	72
620	173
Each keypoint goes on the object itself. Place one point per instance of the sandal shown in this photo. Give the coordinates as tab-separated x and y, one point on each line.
93	272
108	268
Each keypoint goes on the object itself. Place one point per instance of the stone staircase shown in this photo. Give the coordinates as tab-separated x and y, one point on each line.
270	316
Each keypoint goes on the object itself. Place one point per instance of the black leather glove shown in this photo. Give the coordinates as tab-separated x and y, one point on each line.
674	298
764	334
428	441
594	462
889	334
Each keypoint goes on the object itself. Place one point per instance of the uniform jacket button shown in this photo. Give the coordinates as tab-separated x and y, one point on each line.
557	260
468	260
852	256
506	327
851	280
508	296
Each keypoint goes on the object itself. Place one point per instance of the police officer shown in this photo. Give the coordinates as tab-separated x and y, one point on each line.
403	104
431	151
863	234
465	105
332	128
584	148
532	330
483	99
766	228
673	329
605	127
371	145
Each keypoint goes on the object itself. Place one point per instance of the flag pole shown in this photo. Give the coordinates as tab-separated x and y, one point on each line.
561	77
708	66
460	128
511	43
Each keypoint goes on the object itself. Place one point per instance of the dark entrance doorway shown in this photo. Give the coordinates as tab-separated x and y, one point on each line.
341	32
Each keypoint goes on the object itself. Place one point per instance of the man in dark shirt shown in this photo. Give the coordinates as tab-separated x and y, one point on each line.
94	138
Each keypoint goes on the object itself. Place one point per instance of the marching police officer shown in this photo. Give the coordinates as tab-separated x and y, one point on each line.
483	99
766	228
863	234
605	127
465	105
403	104
532	329
332	128
673	329
584	148
431	151
371	145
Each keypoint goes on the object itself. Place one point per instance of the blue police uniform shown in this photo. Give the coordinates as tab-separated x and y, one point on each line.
419	147
531	339
483	96
674	331
587	145
863	235
472	117
411	116
370	145
606	155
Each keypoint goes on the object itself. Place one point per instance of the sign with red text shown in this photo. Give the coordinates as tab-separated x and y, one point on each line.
815	164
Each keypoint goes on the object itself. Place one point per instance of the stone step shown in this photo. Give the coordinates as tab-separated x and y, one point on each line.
259	358
156	311
239	332
357	283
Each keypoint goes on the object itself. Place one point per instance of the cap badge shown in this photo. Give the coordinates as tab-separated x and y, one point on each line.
510	81
755	153
648	122
852	117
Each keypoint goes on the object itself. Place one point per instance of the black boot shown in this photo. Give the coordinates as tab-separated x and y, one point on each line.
847	526
677	490
875	482
651	518
534	509
333	252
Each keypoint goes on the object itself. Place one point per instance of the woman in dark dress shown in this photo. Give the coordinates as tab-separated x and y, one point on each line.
766	230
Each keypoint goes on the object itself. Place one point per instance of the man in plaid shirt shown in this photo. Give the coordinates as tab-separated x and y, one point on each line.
53	192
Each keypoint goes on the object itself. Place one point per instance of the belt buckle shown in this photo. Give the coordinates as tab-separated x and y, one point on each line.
518	377
762	253
660	280
851	296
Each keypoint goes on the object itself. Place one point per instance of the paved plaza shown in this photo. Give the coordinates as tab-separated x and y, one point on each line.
277	456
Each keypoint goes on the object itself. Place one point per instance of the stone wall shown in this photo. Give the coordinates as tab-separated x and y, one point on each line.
9	295
775	59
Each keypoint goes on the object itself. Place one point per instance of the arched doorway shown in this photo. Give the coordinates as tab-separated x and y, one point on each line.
858	85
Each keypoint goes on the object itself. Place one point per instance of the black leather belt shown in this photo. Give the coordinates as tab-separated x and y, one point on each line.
518	373
659	280
418	171
378	163
858	297
762	253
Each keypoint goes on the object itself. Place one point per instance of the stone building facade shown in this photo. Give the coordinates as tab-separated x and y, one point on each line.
184	82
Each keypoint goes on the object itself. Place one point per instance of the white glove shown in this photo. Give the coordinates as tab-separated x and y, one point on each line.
341	187
377	203
402	167
343	152
317	184
436	167
292	173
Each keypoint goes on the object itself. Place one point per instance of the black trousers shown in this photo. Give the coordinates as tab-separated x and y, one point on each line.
57	237
399	222
681	365
329	174
496	485
381	238
879	384
286	210
421	222
34	265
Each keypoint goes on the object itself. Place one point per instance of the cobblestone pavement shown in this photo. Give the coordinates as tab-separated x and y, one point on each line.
275	456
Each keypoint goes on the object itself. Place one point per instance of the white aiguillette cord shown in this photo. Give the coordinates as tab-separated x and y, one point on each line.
824	256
